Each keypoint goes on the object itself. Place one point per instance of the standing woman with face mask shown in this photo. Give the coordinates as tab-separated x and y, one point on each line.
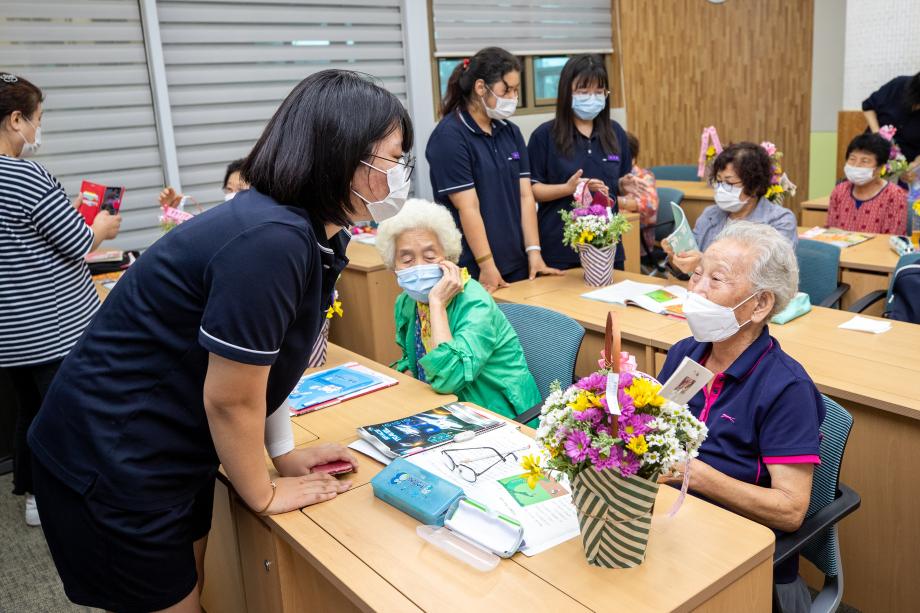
480	171
46	294
740	176
581	143
215	325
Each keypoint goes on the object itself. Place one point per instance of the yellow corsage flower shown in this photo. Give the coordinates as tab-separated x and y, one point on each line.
637	445
532	470
335	309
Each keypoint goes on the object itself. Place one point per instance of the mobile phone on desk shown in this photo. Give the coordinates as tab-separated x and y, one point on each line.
339	467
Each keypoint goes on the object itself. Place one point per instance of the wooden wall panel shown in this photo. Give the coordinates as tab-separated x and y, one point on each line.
849	125
743	66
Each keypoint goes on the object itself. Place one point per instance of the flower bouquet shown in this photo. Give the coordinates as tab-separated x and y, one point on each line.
897	164
613	435
593	231
710	146
172	210
780	185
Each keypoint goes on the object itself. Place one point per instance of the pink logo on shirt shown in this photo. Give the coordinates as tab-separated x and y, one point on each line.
727	417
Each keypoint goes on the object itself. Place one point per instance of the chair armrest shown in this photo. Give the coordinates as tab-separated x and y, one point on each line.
788	545
835	296
868	300
530	414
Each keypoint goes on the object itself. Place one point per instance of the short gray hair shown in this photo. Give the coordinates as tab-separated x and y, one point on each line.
775	268
419	214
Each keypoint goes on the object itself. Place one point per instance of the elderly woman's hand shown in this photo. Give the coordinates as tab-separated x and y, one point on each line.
448	287
686	261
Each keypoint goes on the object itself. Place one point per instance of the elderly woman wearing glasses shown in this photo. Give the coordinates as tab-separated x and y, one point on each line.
741	177
452	334
762	409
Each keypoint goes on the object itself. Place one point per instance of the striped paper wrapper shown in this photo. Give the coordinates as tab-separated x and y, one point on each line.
597	262
320	346
615	514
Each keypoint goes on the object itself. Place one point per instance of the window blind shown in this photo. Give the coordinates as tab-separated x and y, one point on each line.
523	27
230	63
88	57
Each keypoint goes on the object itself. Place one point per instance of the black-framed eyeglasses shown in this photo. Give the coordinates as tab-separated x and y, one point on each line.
470	474
407	160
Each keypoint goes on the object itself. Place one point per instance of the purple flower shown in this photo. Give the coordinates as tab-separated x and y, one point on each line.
577	446
595	382
580	212
600	461
635	424
592	414
628	463
597	209
626	380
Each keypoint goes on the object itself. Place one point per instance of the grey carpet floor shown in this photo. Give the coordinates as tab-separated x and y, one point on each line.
28	580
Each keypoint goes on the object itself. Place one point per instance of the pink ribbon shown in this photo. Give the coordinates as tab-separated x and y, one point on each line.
684	486
709	136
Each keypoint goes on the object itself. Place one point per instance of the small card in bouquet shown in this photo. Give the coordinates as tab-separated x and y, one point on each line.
687	380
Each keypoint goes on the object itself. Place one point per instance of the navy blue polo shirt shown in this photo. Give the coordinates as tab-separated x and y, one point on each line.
461	157
764	409
548	166
248	281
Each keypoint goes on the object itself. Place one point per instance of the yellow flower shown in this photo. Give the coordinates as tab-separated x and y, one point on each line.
335	309
711	151
645	393
637	445
586	236
532	470
917	207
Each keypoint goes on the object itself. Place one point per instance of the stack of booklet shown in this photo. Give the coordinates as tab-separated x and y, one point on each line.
328	387
835	236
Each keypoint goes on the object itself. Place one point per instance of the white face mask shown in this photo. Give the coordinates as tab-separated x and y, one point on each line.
29	149
710	322
228	197
728	197
398	184
504	107
858	175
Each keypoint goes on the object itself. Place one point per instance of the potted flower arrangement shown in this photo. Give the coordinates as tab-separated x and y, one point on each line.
592	231
613	435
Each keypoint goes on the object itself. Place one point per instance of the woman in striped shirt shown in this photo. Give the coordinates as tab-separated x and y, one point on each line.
46	295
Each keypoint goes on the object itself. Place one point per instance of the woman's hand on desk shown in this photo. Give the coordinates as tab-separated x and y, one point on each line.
300	462
292	493
538	267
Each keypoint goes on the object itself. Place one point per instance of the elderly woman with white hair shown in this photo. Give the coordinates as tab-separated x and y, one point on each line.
762	409
452	334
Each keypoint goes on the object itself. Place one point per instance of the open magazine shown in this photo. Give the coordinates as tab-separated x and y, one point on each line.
667	300
681	239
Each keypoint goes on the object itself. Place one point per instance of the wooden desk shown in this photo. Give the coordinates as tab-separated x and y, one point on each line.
98	281
697	196
814	212
875	377
866	267
358	553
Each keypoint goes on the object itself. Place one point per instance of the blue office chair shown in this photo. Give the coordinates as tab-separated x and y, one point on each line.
908	259
676	172
819	265
550	341
664	225
831	501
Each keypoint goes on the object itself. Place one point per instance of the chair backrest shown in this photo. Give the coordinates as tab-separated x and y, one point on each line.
664	225
907	259
676	172
818	268
825	552
550	341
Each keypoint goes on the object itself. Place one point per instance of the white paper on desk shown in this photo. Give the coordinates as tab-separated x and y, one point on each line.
546	523
367	239
864	324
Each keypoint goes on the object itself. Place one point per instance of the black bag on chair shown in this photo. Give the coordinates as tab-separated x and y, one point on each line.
904	303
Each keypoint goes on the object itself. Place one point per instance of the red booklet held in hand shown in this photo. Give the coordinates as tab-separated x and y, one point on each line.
99	198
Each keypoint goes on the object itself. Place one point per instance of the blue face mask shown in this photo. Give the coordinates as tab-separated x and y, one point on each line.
587	106
418	280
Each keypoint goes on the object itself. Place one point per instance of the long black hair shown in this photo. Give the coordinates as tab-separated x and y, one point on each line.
581	71
912	94
489	64
314	143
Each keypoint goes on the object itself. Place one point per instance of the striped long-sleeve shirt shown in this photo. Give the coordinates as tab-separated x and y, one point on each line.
46	294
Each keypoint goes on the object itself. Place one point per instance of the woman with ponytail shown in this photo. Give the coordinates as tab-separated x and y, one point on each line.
480	171
581	143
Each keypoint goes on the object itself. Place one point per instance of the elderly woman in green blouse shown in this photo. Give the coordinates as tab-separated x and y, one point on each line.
452	334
